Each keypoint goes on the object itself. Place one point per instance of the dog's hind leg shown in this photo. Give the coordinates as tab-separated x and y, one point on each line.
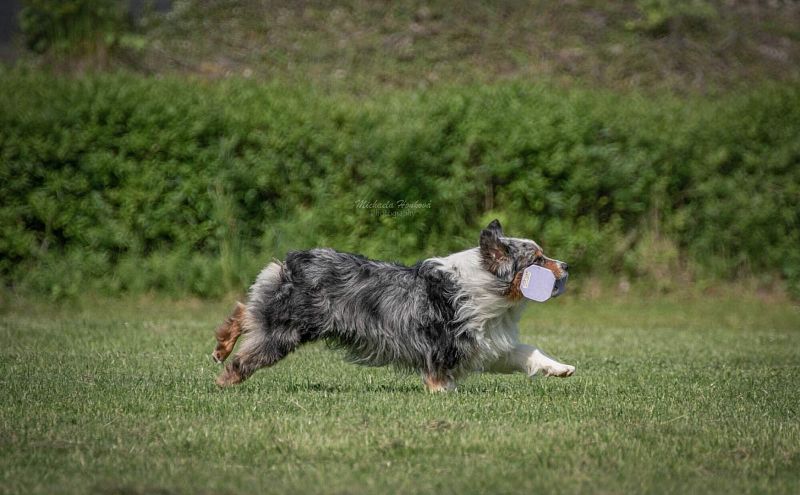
228	333
261	348
438	382
531	361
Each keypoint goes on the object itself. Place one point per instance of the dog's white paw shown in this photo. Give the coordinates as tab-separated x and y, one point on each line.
540	363
561	370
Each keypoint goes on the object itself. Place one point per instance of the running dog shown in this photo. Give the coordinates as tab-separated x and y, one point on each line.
443	317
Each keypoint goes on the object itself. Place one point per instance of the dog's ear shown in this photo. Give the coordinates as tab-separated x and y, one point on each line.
495	226
493	249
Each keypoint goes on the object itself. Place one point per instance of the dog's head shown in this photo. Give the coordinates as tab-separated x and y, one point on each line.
507	257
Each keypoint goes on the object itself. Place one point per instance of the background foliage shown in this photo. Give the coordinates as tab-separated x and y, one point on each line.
71	25
124	183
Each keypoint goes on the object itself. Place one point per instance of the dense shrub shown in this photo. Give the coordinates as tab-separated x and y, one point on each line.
121	183
71	25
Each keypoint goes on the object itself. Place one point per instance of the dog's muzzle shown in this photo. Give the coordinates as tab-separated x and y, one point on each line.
560	286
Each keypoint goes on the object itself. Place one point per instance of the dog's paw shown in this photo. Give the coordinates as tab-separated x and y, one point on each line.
228	377
560	370
542	364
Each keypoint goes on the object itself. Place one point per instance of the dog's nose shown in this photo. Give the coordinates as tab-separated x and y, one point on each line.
564	266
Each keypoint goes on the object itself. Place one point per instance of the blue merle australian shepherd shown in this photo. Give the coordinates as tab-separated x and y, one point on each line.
442	317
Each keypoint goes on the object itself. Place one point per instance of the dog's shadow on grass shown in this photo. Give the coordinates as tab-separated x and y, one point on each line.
255	386
404	385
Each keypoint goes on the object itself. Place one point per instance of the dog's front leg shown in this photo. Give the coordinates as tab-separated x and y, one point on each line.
531	361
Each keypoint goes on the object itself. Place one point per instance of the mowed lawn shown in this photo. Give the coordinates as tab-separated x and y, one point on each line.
669	396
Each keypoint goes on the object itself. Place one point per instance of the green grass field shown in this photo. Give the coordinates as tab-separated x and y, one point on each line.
670	396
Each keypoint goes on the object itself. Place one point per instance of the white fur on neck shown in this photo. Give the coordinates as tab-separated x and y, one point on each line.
490	316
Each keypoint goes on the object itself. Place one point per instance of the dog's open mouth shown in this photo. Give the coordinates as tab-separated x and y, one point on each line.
560	286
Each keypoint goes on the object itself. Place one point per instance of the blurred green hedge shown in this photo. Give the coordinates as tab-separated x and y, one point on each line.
124	183
71	25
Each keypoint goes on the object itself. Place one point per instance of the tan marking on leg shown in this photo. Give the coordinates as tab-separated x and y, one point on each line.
437	383
228	333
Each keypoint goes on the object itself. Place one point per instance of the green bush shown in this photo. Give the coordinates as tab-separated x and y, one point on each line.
71	25
122	183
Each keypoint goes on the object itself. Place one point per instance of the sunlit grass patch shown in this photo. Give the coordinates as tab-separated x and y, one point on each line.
668	396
